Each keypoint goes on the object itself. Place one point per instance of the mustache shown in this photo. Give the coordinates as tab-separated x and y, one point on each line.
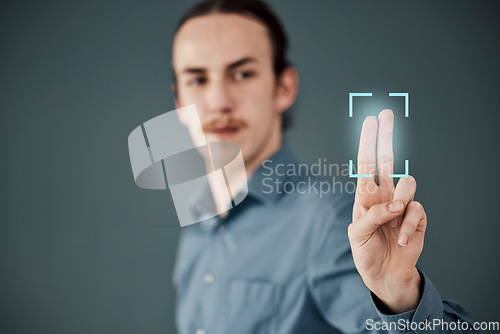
230	123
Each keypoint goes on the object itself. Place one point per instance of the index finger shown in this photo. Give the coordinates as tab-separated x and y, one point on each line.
367	160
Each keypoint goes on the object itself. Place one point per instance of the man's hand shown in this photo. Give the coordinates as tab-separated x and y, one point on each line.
387	232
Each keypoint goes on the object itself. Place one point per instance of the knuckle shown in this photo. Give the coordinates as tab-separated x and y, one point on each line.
410	223
378	212
415	205
385	158
408	230
424	215
385	168
418	206
350	230
378	209
412	181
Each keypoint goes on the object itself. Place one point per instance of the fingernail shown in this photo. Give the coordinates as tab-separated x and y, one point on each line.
403	239
396	206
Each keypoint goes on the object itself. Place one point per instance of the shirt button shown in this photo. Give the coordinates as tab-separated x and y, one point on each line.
200	331
208	278
222	228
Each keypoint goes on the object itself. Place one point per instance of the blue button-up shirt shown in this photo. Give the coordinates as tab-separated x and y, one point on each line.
280	262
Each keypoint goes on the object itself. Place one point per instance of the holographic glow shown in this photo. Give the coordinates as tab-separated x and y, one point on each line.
373	107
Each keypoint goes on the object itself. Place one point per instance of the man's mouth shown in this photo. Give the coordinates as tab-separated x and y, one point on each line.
224	131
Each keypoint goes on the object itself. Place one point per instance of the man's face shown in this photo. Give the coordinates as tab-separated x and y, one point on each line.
223	65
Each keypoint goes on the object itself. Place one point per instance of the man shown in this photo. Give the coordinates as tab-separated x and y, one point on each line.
284	262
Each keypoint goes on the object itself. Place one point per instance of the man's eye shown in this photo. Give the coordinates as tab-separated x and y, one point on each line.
197	81
240	75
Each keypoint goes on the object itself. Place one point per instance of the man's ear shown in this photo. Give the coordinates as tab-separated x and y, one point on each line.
287	89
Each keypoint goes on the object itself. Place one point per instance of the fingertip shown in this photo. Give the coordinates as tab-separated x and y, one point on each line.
386	113
370	119
403	239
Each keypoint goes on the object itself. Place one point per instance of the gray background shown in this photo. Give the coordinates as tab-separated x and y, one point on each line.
83	250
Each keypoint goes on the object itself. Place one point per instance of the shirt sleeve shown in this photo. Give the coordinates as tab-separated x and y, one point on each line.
433	314
341	296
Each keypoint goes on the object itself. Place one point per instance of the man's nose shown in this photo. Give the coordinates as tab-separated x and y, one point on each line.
219	97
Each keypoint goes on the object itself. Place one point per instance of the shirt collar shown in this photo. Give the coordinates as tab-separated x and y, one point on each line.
272	172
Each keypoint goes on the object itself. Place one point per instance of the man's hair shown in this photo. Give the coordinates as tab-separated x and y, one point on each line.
255	9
